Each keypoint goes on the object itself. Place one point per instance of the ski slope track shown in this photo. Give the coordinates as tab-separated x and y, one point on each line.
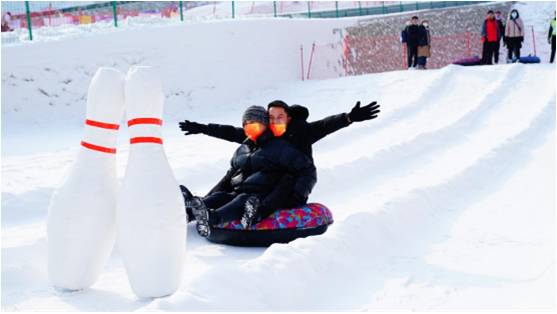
445	201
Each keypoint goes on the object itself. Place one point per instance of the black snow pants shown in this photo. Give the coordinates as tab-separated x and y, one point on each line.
552	49
412	53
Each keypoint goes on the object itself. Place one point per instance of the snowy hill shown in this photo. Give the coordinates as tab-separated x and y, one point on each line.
446	201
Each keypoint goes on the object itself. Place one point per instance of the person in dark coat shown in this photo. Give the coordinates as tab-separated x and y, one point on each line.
551	39
490	35
413	35
289	123
255	168
424	45
501	25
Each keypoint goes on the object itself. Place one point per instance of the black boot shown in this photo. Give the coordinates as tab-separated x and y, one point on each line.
251	211
201	214
188	197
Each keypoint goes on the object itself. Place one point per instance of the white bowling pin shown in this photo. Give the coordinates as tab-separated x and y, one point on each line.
151	220
81	217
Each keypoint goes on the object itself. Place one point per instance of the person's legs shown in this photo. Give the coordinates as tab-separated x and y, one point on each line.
517	47
232	210
484	53
415	55
552	57
496	52
279	198
509	50
489	53
409	55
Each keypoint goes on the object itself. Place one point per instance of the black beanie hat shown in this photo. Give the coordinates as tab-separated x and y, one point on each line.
256	114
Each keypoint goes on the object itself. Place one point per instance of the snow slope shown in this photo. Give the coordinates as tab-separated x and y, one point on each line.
446	201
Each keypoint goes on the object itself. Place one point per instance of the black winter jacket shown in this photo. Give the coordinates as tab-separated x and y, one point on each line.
300	133
256	167
414	34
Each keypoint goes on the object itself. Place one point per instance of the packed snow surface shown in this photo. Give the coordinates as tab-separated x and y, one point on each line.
445	201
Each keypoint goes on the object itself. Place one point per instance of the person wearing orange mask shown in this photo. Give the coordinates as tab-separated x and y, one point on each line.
256	167
288	123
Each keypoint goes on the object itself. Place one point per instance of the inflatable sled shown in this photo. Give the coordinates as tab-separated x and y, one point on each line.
282	226
529	59
475	60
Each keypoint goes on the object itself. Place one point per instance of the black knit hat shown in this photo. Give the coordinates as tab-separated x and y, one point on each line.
255	114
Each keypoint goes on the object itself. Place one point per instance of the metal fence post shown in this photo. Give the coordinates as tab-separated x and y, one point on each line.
309	10
28	20
360	7
401	7
336	9
182	11
115	13
383	7
417	6
233	11
275	8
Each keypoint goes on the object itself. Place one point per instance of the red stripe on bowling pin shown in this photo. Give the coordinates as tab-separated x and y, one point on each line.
144	121
145	139
101	149
102	125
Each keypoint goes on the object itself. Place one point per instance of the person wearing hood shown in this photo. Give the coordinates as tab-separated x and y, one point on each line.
255	168
514	36
289	123
490	35
551	39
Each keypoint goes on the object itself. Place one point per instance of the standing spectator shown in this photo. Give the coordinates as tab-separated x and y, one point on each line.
490	35
412	38
501	25
404	33
514	36
424	45
6	20
551	39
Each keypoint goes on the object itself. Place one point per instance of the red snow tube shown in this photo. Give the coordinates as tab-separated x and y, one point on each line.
475	60
282	226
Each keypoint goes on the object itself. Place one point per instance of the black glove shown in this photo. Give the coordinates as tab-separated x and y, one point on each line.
364	113
192	127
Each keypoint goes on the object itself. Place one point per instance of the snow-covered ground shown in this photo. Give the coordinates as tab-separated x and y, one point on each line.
446	201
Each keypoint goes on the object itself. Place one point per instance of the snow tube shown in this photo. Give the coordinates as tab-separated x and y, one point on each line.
475	60
282	226
529	59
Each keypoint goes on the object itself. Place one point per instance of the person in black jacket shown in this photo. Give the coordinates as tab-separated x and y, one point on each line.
296	130
551	39
501	25
257	165
299	132
413	35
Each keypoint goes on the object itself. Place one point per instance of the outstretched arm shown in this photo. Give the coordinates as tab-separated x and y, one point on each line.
224	132
321	128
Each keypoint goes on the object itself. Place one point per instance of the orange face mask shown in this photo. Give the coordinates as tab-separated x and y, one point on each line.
253	130
278	129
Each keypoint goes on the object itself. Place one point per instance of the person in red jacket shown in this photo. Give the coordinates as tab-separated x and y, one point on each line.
491	34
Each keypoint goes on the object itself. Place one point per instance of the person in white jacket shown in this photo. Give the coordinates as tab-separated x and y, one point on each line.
514	36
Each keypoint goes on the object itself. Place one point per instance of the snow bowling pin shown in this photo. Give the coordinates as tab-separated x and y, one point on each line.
150	209
81	221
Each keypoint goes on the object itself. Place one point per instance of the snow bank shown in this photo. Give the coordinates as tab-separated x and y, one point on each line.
446	201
